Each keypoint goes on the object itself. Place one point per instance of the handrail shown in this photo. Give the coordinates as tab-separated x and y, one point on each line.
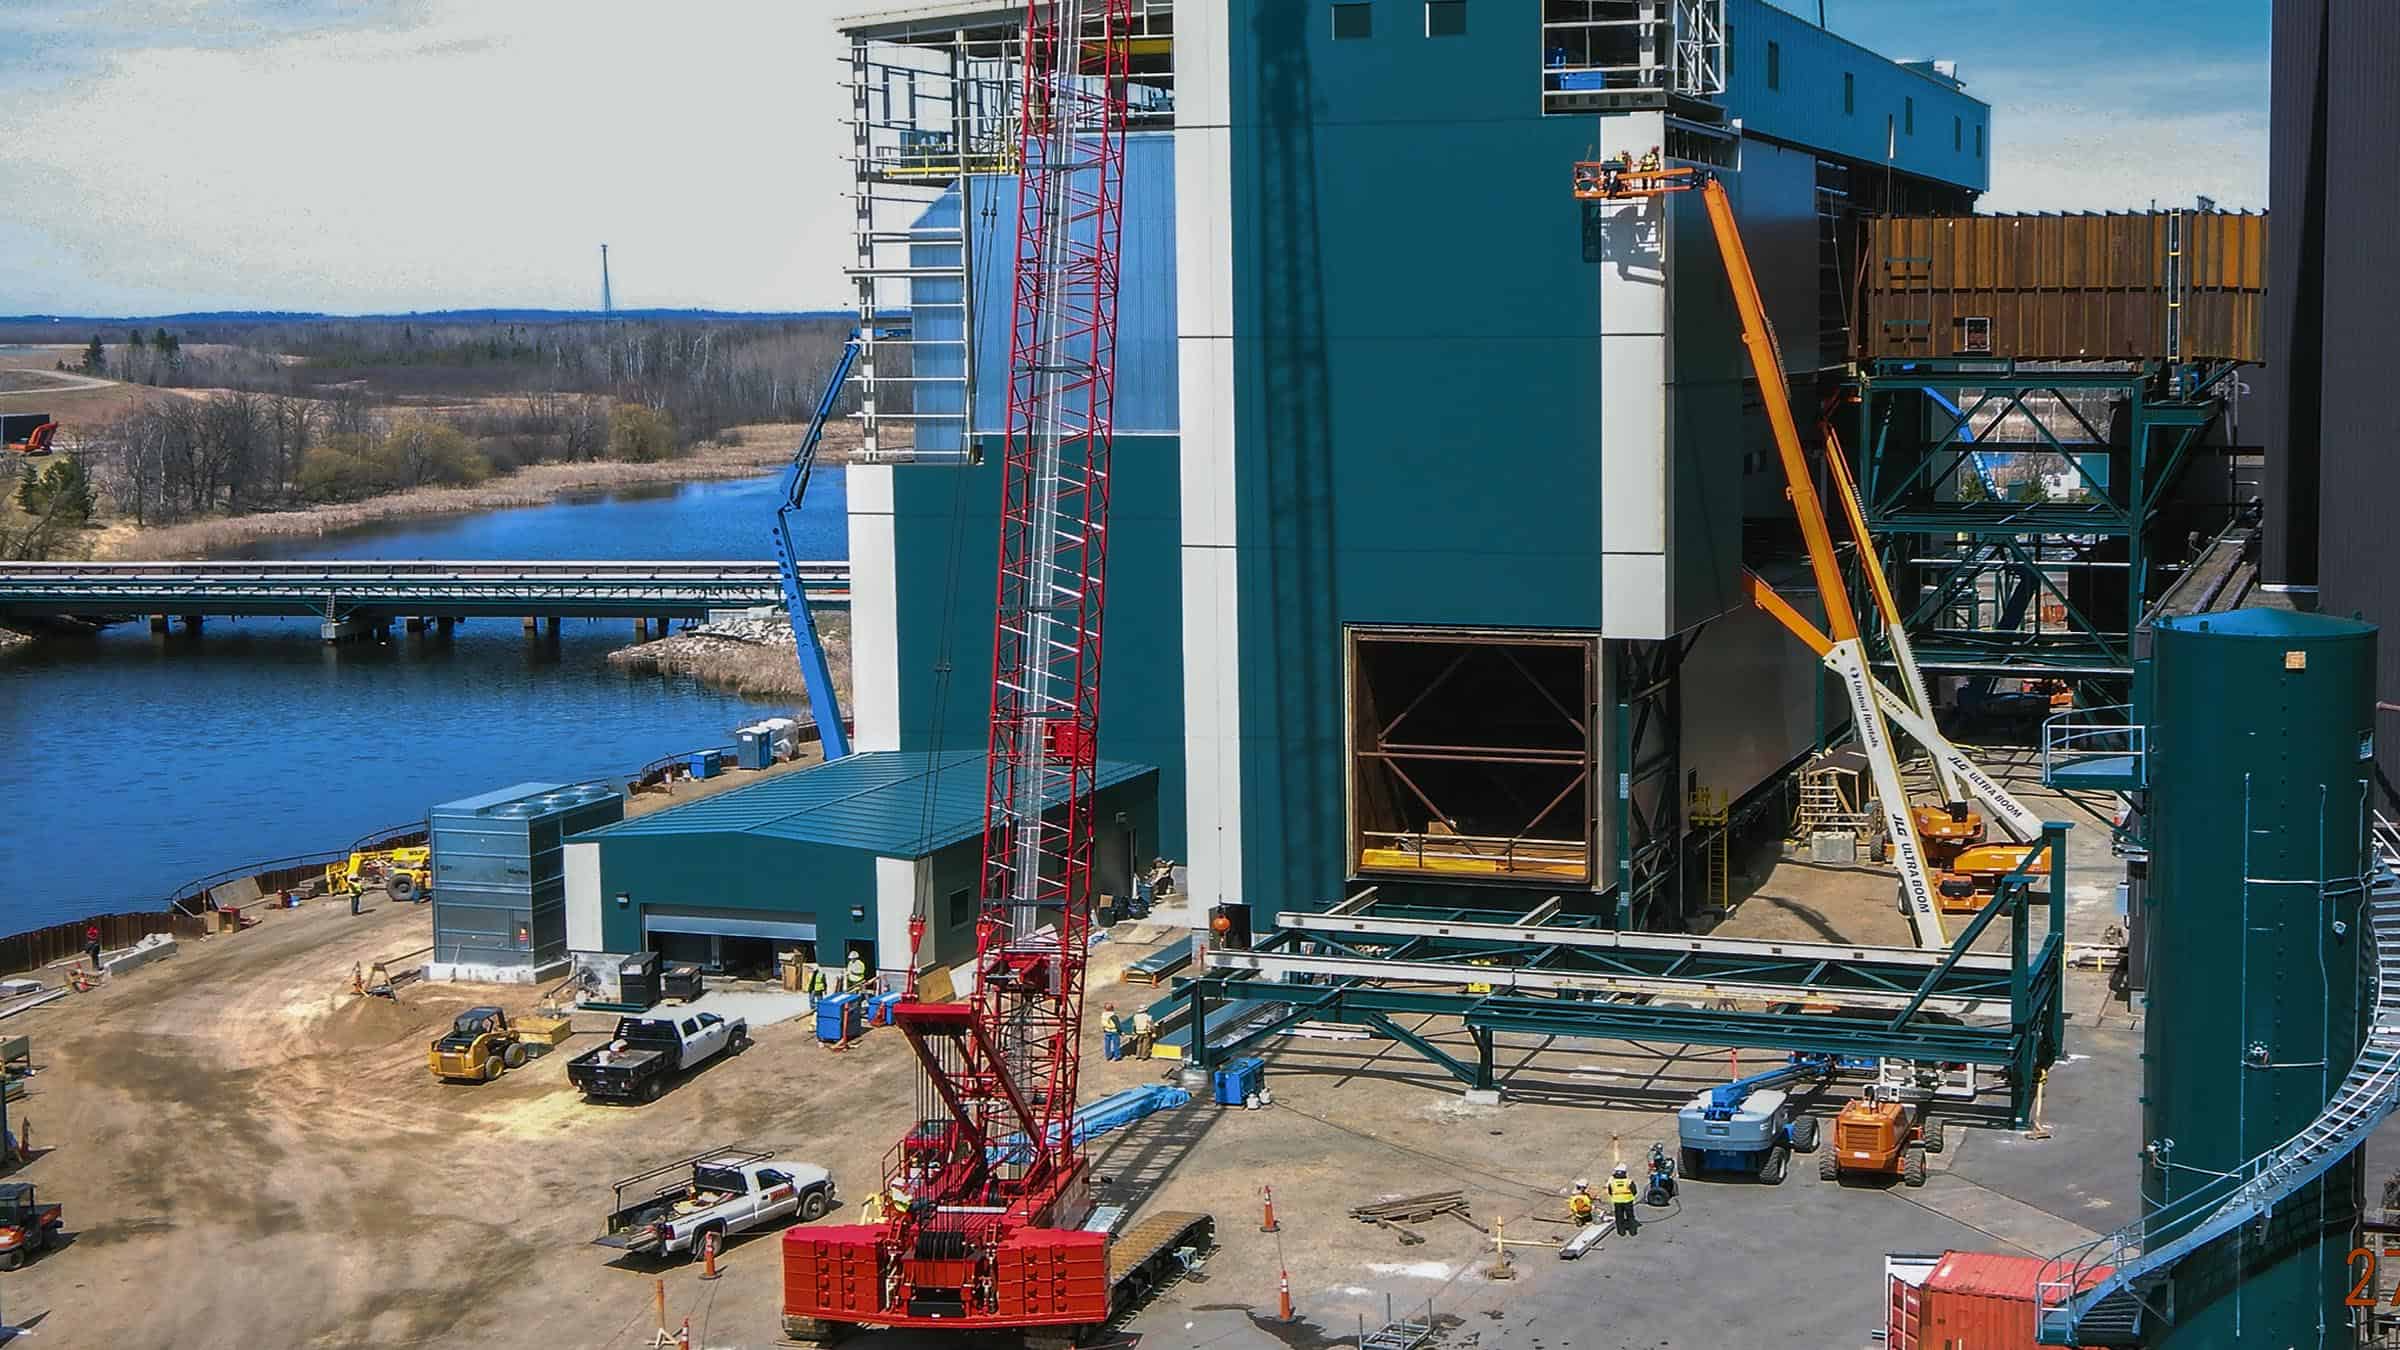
2069	733
180	897
2071	1284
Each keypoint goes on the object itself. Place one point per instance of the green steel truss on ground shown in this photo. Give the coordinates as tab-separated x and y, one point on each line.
2004	576
1544	973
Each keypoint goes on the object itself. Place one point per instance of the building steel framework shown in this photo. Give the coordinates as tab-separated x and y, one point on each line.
2093	563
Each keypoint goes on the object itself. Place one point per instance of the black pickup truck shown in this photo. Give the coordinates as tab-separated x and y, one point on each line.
647	1052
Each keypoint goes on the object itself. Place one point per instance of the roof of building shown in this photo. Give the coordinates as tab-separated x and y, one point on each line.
898	803
515	792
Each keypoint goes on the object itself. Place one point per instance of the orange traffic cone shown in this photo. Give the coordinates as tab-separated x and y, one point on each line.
1283	1296
1267	1224
708	1256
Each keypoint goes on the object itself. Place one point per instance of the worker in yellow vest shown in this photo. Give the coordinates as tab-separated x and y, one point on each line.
1144	1034
1579	1202
857	971
1621	1196
818	985
1112	1037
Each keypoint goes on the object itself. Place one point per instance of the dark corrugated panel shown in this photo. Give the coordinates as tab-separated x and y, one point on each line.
2359	418
2287	403
2064	287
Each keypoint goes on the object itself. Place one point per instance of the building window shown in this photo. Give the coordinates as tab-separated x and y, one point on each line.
1354	19
1908	116
1979	140
1849	94
1775	65
1958	133
959	907
1445	18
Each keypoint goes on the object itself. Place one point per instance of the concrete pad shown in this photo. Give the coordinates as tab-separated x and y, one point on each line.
763	1008
2028	1228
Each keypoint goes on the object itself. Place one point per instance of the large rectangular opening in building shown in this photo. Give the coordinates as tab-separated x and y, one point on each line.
1472	754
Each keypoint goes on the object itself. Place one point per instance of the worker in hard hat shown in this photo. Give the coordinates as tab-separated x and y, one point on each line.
1621	1196
1112	1034
857	971
1579	1202
1145	1034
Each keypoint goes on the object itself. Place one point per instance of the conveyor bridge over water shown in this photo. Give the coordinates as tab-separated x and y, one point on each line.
366	592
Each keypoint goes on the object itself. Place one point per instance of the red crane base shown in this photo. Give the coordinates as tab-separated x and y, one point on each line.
1033	1277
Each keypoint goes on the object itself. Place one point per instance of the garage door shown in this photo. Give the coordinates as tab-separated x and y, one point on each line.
724	923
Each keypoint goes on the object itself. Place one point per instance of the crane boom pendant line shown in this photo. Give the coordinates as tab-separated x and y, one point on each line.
1006	1062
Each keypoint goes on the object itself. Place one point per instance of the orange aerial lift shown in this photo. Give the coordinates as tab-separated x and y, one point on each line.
27	433
1875	707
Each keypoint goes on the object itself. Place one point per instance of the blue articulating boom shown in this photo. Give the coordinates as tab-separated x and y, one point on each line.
823	706
1747	1125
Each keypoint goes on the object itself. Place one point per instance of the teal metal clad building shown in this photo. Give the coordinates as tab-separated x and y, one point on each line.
1467	464
1415	452
834	858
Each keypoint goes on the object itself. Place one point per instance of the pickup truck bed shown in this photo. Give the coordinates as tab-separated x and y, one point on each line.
637	1063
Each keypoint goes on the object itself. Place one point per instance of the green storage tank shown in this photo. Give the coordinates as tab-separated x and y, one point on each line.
2261	726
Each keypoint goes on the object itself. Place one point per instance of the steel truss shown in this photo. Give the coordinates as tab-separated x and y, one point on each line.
2129	435
1545	973
341	590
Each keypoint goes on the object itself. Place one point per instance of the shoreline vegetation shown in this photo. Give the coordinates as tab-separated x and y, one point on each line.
758	450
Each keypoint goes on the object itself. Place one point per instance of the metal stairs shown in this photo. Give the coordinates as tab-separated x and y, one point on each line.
2073	1287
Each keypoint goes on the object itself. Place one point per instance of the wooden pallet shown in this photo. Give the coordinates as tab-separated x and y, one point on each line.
1414	1209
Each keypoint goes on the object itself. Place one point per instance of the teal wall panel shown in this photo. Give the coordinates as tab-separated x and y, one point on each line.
809	882
946	560
1417	323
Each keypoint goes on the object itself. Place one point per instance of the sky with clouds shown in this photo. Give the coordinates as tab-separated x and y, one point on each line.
380	155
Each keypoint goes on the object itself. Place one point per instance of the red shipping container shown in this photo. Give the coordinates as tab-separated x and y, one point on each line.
1970	1301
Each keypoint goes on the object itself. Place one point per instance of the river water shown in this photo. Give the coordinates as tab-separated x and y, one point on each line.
141	762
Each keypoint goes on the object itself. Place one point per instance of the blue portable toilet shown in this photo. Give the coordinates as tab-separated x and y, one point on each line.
753	748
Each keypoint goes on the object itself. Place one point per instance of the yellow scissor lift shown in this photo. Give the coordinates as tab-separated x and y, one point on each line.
1875	707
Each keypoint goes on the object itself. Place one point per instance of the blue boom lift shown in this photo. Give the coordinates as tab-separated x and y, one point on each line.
1747	1125
823	706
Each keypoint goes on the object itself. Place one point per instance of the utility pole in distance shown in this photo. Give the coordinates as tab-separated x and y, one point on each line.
608	304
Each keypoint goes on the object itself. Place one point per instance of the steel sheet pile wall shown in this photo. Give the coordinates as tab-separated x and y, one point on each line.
2065	287
499	871
2260	731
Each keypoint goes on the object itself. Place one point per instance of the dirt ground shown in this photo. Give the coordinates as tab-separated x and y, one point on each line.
250	1155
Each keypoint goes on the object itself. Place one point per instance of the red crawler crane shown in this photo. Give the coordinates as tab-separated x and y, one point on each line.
985	1201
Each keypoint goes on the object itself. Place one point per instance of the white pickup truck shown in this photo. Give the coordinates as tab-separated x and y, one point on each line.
725	1192
647	1053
